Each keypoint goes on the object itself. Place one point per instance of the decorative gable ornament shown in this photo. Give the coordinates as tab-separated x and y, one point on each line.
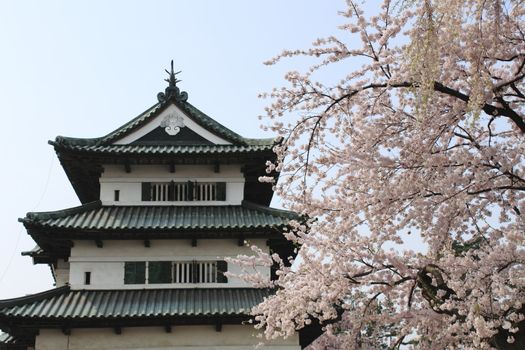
172	91
172	124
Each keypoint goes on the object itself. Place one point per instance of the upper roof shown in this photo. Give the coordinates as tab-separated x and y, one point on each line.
138	150
195	114
171	96
170	132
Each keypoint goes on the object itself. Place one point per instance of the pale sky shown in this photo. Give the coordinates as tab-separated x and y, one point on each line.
83	68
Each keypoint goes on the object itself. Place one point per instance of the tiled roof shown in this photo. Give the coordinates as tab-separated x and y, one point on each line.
95	216
97	144
164	149
64	303
19	341
196	114
6	338
40	256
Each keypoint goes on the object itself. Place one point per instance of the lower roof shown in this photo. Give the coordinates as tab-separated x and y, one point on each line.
7	339
67	305
64	308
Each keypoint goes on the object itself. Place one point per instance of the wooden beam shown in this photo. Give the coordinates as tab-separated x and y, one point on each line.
217	168
240	241
118	330
127	167
194	242
218	326
147	243
172	167
66	331
99	243
167	328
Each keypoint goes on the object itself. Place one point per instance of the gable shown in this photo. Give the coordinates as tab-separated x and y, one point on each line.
184	136
171	126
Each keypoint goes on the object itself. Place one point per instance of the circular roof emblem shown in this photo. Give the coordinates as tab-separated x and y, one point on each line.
172	124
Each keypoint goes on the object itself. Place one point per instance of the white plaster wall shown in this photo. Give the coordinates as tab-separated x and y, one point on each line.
129	184
61	273
106	264
130	192
117	172
155	122
232	337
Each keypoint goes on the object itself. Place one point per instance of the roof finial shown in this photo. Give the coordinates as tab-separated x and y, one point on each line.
172	91
172	80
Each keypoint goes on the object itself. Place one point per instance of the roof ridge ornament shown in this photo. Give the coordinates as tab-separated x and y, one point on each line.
172	91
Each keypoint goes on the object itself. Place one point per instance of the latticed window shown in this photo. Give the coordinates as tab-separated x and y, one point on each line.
155	272
199	272
183	191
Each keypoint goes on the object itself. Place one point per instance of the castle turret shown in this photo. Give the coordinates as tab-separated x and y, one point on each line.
141	263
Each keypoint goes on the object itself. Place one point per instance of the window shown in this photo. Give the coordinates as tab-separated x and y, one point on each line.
183	191
155	272
117	195
87	278
135	272
159	272
196	272
222	267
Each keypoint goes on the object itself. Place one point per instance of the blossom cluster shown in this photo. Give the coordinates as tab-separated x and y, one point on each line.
413	166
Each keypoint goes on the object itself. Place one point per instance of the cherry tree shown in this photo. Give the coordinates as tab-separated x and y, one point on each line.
409	171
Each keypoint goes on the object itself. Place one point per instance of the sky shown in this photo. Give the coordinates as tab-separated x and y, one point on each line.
83	68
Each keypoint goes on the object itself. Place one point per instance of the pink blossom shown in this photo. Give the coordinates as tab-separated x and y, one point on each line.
412	169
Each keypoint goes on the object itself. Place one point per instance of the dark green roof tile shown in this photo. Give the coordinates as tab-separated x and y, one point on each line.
64	303
95	216
98	144
164	149
7	339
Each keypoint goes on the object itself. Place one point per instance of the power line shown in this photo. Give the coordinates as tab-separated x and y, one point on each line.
19	235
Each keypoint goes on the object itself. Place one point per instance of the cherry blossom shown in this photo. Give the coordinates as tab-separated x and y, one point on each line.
409	172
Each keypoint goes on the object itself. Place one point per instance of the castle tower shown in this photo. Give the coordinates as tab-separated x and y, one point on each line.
141	263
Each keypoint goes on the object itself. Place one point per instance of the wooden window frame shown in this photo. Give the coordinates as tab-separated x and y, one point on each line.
181	272
190	191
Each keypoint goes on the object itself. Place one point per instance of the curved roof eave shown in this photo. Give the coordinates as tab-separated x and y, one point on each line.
191	111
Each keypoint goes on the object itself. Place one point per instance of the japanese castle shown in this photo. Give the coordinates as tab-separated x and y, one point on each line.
141	263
